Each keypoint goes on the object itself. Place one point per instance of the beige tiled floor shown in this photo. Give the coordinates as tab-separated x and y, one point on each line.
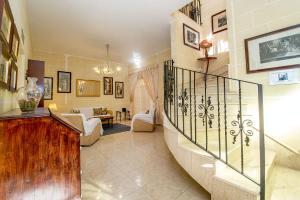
135	166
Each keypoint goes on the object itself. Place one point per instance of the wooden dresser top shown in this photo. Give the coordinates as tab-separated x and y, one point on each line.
17	114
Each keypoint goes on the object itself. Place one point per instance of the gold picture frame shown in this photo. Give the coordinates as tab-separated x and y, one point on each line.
13	77
6	24
15	43
4	70
87	88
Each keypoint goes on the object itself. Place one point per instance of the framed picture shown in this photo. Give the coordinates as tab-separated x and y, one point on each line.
108	85
284	77
275	50
87	88
48	88
4	71
15	43
219	22
6	24
119	87
13	79
64	82
191	37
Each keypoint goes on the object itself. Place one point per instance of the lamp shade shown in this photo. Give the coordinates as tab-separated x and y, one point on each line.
205	44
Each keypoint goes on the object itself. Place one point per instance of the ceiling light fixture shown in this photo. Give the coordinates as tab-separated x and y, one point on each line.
107	69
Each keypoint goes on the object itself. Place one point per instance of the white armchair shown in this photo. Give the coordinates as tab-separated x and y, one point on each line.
143	122
91	128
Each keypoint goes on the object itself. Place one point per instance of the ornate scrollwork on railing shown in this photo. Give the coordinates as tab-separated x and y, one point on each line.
170	85
205	110
183	104
244	128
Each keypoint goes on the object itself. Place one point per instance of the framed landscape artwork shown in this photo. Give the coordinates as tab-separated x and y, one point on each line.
13	77
4	71
48	88
191	37
219	22
64	82
87	88
108	85
6	24
119	87
15	43
275	50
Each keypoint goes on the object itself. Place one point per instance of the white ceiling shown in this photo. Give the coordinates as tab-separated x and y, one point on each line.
83	27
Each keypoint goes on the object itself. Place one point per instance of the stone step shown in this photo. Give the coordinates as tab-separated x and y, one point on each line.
283	184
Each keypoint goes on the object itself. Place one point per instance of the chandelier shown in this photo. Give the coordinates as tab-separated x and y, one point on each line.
106	68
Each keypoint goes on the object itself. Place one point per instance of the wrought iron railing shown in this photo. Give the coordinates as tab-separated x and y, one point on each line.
193	10
204	110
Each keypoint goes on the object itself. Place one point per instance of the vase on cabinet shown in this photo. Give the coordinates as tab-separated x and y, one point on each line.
29	97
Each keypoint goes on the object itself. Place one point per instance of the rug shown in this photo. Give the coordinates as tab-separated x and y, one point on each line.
117	128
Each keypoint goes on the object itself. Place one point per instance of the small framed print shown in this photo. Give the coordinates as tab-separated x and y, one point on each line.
4	71
191	37
15	43
273	51
119	90
64	82
284	77
13	79
108	85
48	88
219	22
6	24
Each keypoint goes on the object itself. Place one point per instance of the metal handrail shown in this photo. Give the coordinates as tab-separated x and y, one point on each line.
280	143
183	101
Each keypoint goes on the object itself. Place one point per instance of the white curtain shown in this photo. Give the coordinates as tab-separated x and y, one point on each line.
150	77
133	79
142	100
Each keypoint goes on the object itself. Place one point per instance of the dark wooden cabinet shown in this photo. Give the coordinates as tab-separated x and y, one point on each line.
39	158
36	69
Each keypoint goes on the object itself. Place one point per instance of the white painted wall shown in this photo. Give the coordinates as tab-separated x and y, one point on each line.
19	11
251	18
185	56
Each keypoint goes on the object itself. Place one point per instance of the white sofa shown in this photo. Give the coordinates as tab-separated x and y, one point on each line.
91	128
88	123
143	122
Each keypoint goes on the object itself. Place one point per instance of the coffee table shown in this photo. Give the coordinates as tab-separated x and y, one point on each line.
109	119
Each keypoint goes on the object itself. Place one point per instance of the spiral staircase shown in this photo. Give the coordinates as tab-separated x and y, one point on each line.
214	127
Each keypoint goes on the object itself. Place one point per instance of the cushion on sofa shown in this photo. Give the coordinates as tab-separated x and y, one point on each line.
89	111
97	111
76	111
104	111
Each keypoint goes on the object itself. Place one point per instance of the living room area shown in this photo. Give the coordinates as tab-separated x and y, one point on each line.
94	95
149	100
